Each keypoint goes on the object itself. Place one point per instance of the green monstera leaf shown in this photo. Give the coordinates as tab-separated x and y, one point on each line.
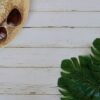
80	78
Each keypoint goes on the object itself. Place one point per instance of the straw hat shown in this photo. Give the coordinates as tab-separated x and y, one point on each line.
13	14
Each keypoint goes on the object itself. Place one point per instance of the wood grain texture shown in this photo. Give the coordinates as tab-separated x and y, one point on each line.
28	89
30	76
55	30
70	19
28	97
37	57
65	5
55	38
29	81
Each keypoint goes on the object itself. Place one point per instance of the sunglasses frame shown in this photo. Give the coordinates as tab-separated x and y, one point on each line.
7	23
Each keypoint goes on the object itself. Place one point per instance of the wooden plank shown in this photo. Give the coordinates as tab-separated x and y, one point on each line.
29	76
28	97
29	81
55	37
63	19
37	57
29	89
65	5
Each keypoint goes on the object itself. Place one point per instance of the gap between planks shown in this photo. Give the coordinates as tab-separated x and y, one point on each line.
77	11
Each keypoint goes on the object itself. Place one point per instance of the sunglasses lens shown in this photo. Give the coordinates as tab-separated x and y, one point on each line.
14	17
3	34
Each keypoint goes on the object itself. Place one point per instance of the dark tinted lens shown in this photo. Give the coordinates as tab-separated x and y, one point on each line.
14	17
3	34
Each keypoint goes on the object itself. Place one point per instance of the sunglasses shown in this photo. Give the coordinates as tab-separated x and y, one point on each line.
13	19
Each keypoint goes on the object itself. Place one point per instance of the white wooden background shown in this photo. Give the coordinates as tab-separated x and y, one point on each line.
56	29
